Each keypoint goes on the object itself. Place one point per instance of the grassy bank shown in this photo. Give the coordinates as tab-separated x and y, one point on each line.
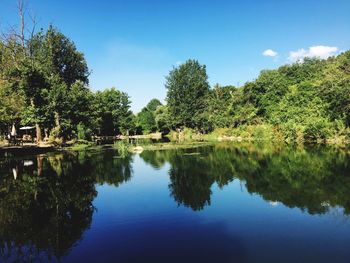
189	138
171	146
266	132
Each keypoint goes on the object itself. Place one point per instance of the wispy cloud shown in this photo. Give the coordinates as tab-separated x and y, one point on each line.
270	53
321	52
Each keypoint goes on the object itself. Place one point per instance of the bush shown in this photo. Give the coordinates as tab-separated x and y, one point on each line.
317	129
262	132
122	148
339	133
83	133
219	132
293	132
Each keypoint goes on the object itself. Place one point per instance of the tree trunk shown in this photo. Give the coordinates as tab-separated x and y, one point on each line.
58	124
38	133
57	120
46	133
39	160
37	126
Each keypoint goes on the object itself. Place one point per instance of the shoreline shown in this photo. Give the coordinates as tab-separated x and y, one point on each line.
135	148
27	149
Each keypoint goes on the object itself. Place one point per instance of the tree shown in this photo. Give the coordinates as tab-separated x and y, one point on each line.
43	68
218	106
162	119
19	67
153	105
113	111
49	78
187	87
301	114
82	110
11	106
62	65
145	120
335	88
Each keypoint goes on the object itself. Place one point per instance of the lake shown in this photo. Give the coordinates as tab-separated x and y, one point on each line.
219	203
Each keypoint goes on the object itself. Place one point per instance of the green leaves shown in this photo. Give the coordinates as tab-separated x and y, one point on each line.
146	119
113	111
187	88
46	84
11	104
302	101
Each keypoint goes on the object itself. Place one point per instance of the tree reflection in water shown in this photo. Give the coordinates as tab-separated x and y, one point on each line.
110	168
313	179
46	209
46	201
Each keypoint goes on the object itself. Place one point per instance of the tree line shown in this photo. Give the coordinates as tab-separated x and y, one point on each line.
308	101
44	82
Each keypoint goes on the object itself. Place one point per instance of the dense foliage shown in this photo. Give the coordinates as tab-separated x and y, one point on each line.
307	101
145	120
187	87
44	82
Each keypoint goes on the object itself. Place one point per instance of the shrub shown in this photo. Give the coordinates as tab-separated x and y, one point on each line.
122	148
292	132
83	133
262	132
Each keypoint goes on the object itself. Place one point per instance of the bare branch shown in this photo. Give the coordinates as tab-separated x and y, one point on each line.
34	24
21	13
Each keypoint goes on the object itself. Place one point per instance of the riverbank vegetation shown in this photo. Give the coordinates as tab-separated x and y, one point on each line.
44	82
305	101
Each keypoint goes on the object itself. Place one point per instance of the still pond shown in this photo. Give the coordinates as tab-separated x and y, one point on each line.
218	203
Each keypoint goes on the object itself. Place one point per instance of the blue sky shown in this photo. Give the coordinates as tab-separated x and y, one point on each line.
132	45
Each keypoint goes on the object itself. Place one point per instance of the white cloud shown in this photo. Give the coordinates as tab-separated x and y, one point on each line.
273	203
298	55
270	53
321	52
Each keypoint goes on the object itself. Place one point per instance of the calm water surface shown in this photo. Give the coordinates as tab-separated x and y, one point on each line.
220	203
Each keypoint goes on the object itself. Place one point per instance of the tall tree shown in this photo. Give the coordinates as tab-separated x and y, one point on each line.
114	113
19	67
187	87
62	65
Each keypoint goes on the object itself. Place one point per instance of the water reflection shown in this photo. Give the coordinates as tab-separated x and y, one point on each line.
312	179
109	168
46	202
44	208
